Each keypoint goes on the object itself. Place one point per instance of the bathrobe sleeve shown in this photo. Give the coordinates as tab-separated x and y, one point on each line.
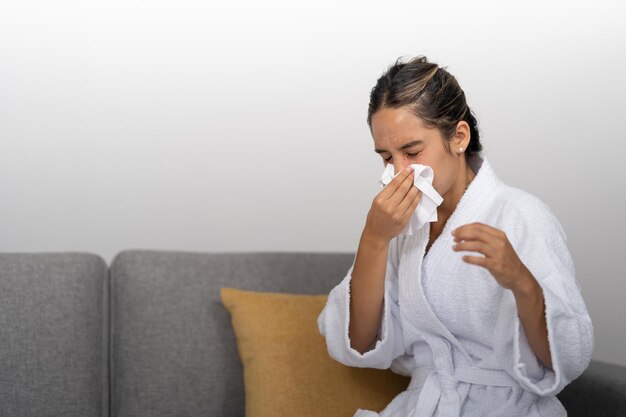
334	319
540	243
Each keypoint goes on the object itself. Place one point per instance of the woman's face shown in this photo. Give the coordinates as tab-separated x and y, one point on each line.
402	139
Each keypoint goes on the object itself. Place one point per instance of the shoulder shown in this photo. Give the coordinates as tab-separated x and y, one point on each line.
523	213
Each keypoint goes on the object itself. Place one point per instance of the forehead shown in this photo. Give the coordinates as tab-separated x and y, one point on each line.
393	127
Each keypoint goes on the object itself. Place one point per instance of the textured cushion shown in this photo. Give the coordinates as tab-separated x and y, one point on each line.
599	391
173	348
53	331
287	370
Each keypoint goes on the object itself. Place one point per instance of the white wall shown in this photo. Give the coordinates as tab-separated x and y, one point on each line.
240	126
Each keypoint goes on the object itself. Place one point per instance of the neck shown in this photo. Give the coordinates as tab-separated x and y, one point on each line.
452	197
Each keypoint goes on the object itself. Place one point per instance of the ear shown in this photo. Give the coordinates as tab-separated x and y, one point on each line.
462	136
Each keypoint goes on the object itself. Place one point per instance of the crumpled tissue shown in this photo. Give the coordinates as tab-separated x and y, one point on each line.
426	210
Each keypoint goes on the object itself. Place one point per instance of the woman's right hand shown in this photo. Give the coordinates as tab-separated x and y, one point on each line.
392	207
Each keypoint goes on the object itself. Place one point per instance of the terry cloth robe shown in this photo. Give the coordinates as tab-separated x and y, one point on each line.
455	330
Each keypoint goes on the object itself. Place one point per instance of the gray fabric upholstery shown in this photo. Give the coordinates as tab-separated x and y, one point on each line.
173	347
599	392
53	332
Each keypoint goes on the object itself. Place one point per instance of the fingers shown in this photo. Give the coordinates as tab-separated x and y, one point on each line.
411	200
470	230
401	191
403	179
475	234
398	199
475	246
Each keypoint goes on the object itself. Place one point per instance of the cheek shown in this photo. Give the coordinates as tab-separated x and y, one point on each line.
441	182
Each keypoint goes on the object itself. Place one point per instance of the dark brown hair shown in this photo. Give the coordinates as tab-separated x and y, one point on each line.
430	93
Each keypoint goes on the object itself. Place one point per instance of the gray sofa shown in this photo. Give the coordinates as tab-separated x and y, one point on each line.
148	335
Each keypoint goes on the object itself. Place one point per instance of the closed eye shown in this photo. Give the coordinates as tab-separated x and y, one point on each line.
409	154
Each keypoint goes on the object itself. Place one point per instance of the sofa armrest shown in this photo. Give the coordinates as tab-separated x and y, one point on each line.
599	391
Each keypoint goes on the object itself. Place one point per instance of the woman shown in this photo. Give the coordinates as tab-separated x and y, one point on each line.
480	307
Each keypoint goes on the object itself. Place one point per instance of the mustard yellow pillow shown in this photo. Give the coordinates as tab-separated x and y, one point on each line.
287	370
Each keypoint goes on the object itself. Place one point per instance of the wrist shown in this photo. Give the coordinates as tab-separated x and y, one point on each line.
527	287
374	242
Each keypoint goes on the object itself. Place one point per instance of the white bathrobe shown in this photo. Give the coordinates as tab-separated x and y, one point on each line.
450	326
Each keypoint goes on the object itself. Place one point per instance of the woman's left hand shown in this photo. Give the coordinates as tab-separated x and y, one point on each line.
500	257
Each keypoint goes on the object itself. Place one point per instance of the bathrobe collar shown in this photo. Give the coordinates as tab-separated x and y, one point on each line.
478	195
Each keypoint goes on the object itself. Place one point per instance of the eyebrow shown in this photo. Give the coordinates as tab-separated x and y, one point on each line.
406	145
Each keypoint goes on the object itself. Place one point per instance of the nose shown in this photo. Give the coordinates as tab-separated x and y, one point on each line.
399	167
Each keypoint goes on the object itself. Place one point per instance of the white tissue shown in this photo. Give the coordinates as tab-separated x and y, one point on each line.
426	210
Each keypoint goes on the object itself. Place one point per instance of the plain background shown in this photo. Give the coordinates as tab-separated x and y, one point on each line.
241	126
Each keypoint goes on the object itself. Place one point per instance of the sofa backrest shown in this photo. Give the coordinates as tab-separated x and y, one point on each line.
162	343
173	350
53	335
